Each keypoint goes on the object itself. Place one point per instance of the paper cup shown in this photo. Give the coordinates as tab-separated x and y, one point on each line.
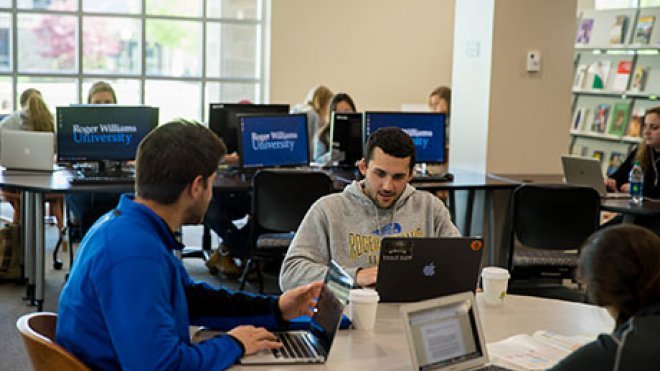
494	281
363	306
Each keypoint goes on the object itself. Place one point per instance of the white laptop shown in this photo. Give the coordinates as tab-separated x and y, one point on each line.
312	345
445	333
27	150
587	171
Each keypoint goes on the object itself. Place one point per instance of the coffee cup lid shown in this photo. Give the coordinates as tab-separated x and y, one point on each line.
364	296
496	273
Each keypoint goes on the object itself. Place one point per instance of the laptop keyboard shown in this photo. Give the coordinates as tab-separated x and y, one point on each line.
491	368
295	345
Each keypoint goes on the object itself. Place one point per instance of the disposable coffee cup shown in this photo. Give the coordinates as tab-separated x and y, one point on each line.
494	281
363	306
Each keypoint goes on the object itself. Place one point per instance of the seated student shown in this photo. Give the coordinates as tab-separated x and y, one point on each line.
316	108
348	226
129	301
648	155
620	266
343	103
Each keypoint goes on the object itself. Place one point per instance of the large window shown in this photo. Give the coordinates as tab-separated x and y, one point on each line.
176	55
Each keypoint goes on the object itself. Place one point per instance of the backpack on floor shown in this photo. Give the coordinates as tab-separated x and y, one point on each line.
11	253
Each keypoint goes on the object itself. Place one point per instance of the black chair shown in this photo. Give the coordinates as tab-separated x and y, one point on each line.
280	200
547	226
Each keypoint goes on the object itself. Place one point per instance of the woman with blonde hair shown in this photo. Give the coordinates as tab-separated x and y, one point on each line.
316	108
34	115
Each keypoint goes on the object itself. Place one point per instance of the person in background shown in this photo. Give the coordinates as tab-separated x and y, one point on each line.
440	100
648	155
316	107
128	301
101	93
342	103
620	267
349	226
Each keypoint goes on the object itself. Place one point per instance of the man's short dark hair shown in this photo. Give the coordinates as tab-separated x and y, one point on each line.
171	156
393	141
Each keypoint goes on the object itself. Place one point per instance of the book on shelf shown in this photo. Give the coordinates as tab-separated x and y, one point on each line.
584	30
598	155
601	116
618	30
580	76
620	81
599	72
616	158
644	29
635	124
639	78
618	119
539	351
579	118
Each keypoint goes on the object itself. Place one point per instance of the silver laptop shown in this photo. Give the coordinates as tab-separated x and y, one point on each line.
587	171
446	334
27	150
312	345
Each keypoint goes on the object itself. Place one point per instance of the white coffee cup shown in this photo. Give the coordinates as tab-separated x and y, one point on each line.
494	281
363	306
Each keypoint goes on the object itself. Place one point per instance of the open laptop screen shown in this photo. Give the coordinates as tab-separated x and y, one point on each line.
445	335
346	133
332	300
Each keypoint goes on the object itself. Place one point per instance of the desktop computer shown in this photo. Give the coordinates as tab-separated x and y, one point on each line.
346	134
273	141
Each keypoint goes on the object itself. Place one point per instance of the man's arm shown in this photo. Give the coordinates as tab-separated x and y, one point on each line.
443	225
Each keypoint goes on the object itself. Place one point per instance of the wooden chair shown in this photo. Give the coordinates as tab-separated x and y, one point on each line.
38	332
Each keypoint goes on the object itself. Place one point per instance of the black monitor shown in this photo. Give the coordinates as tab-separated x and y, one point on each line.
223	119
104	132
346	136
273	140
427	130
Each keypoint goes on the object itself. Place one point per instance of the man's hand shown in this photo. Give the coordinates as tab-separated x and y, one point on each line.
611	184
299	301
625	187
366	277
255	339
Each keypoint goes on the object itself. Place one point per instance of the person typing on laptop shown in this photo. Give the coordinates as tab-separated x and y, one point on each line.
348	227
129	301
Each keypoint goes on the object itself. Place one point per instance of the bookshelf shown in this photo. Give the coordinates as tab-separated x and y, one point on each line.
616	77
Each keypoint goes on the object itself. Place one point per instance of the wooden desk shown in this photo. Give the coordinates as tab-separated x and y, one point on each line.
385	349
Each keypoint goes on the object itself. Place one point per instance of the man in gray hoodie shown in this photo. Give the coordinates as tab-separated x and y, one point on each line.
349	226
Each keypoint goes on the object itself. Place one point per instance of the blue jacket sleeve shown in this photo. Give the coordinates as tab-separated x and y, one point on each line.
136	299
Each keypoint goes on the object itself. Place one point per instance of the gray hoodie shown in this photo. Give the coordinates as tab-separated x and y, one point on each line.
348	227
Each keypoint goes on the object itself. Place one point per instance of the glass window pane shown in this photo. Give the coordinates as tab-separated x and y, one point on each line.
55	91
189	8
614	4
48	4
113	6
5	42
649	3
224	92
127	91
111	45
173	48
5	3
232	50
6	95
167	96
238	9
47	43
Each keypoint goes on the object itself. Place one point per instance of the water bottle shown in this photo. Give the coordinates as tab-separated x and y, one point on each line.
636	179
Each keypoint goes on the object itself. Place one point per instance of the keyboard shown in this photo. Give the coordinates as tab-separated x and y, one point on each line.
295	345
437	177
102	178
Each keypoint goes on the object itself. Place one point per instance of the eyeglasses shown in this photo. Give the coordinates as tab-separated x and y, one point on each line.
653	127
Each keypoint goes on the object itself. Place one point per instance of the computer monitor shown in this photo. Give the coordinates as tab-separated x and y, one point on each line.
346	137
427	130
273	140
104	132
223	119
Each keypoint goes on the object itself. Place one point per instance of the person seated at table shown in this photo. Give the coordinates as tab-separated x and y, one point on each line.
348	226
316	107
648	155
620	267
129	301
342	103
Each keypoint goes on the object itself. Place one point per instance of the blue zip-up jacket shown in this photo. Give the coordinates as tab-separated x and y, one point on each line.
128	301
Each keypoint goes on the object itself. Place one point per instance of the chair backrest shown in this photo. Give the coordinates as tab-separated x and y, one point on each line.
553	216
38	332
281	198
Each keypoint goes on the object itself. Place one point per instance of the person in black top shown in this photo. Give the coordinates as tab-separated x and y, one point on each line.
620	267
648	155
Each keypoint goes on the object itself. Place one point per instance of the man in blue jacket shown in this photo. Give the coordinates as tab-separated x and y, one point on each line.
128	302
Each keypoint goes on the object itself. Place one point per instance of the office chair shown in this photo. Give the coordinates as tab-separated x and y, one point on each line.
280	200
38	332
547	226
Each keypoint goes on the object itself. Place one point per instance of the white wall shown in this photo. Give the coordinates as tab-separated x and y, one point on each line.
382	52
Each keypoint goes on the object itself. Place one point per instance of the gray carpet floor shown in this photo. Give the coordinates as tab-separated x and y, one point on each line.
12	305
